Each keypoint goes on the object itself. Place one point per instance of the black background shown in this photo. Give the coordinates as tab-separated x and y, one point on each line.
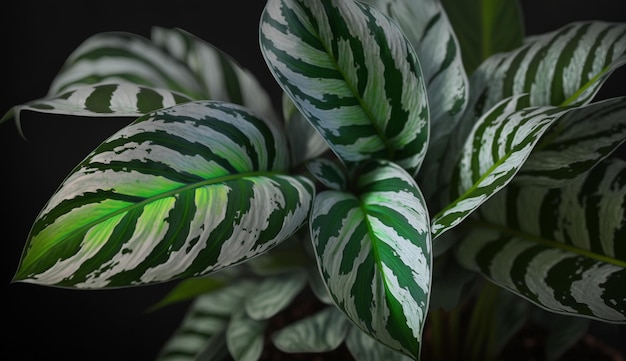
44	323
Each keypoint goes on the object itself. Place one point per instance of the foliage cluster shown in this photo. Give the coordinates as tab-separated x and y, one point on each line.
410	172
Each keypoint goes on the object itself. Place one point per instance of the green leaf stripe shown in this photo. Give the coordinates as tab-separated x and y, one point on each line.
576	143
374	253
116	100
353	74
180	192
560	248
119	57
493	153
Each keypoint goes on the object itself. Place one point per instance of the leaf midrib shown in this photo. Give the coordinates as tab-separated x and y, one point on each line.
547	242
57	242
357	96
473	188
180	190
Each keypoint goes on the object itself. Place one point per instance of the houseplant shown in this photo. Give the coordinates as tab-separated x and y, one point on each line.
412	166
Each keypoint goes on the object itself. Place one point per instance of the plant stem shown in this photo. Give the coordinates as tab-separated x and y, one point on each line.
481	330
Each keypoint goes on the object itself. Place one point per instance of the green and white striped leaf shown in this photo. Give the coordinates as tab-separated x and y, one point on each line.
576	143
561	249
364	348
181	192
221	77
202	333
305	142
492	154
353	74
245	337
274	293
321	332
120	57
105	100
565	67
430	33
374	253
329	173
428	29
485	27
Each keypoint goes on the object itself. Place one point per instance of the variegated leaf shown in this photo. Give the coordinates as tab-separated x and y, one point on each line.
364	348
221	77
485	27
492	154
565	67
305	142
374	253
202	333
575	144
179	193
188	344
428	29
353	74
245	337
329	173
321	332
562	248
274	293
104	100
120	57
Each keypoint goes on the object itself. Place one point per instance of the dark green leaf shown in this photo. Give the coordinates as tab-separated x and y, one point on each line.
485	27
